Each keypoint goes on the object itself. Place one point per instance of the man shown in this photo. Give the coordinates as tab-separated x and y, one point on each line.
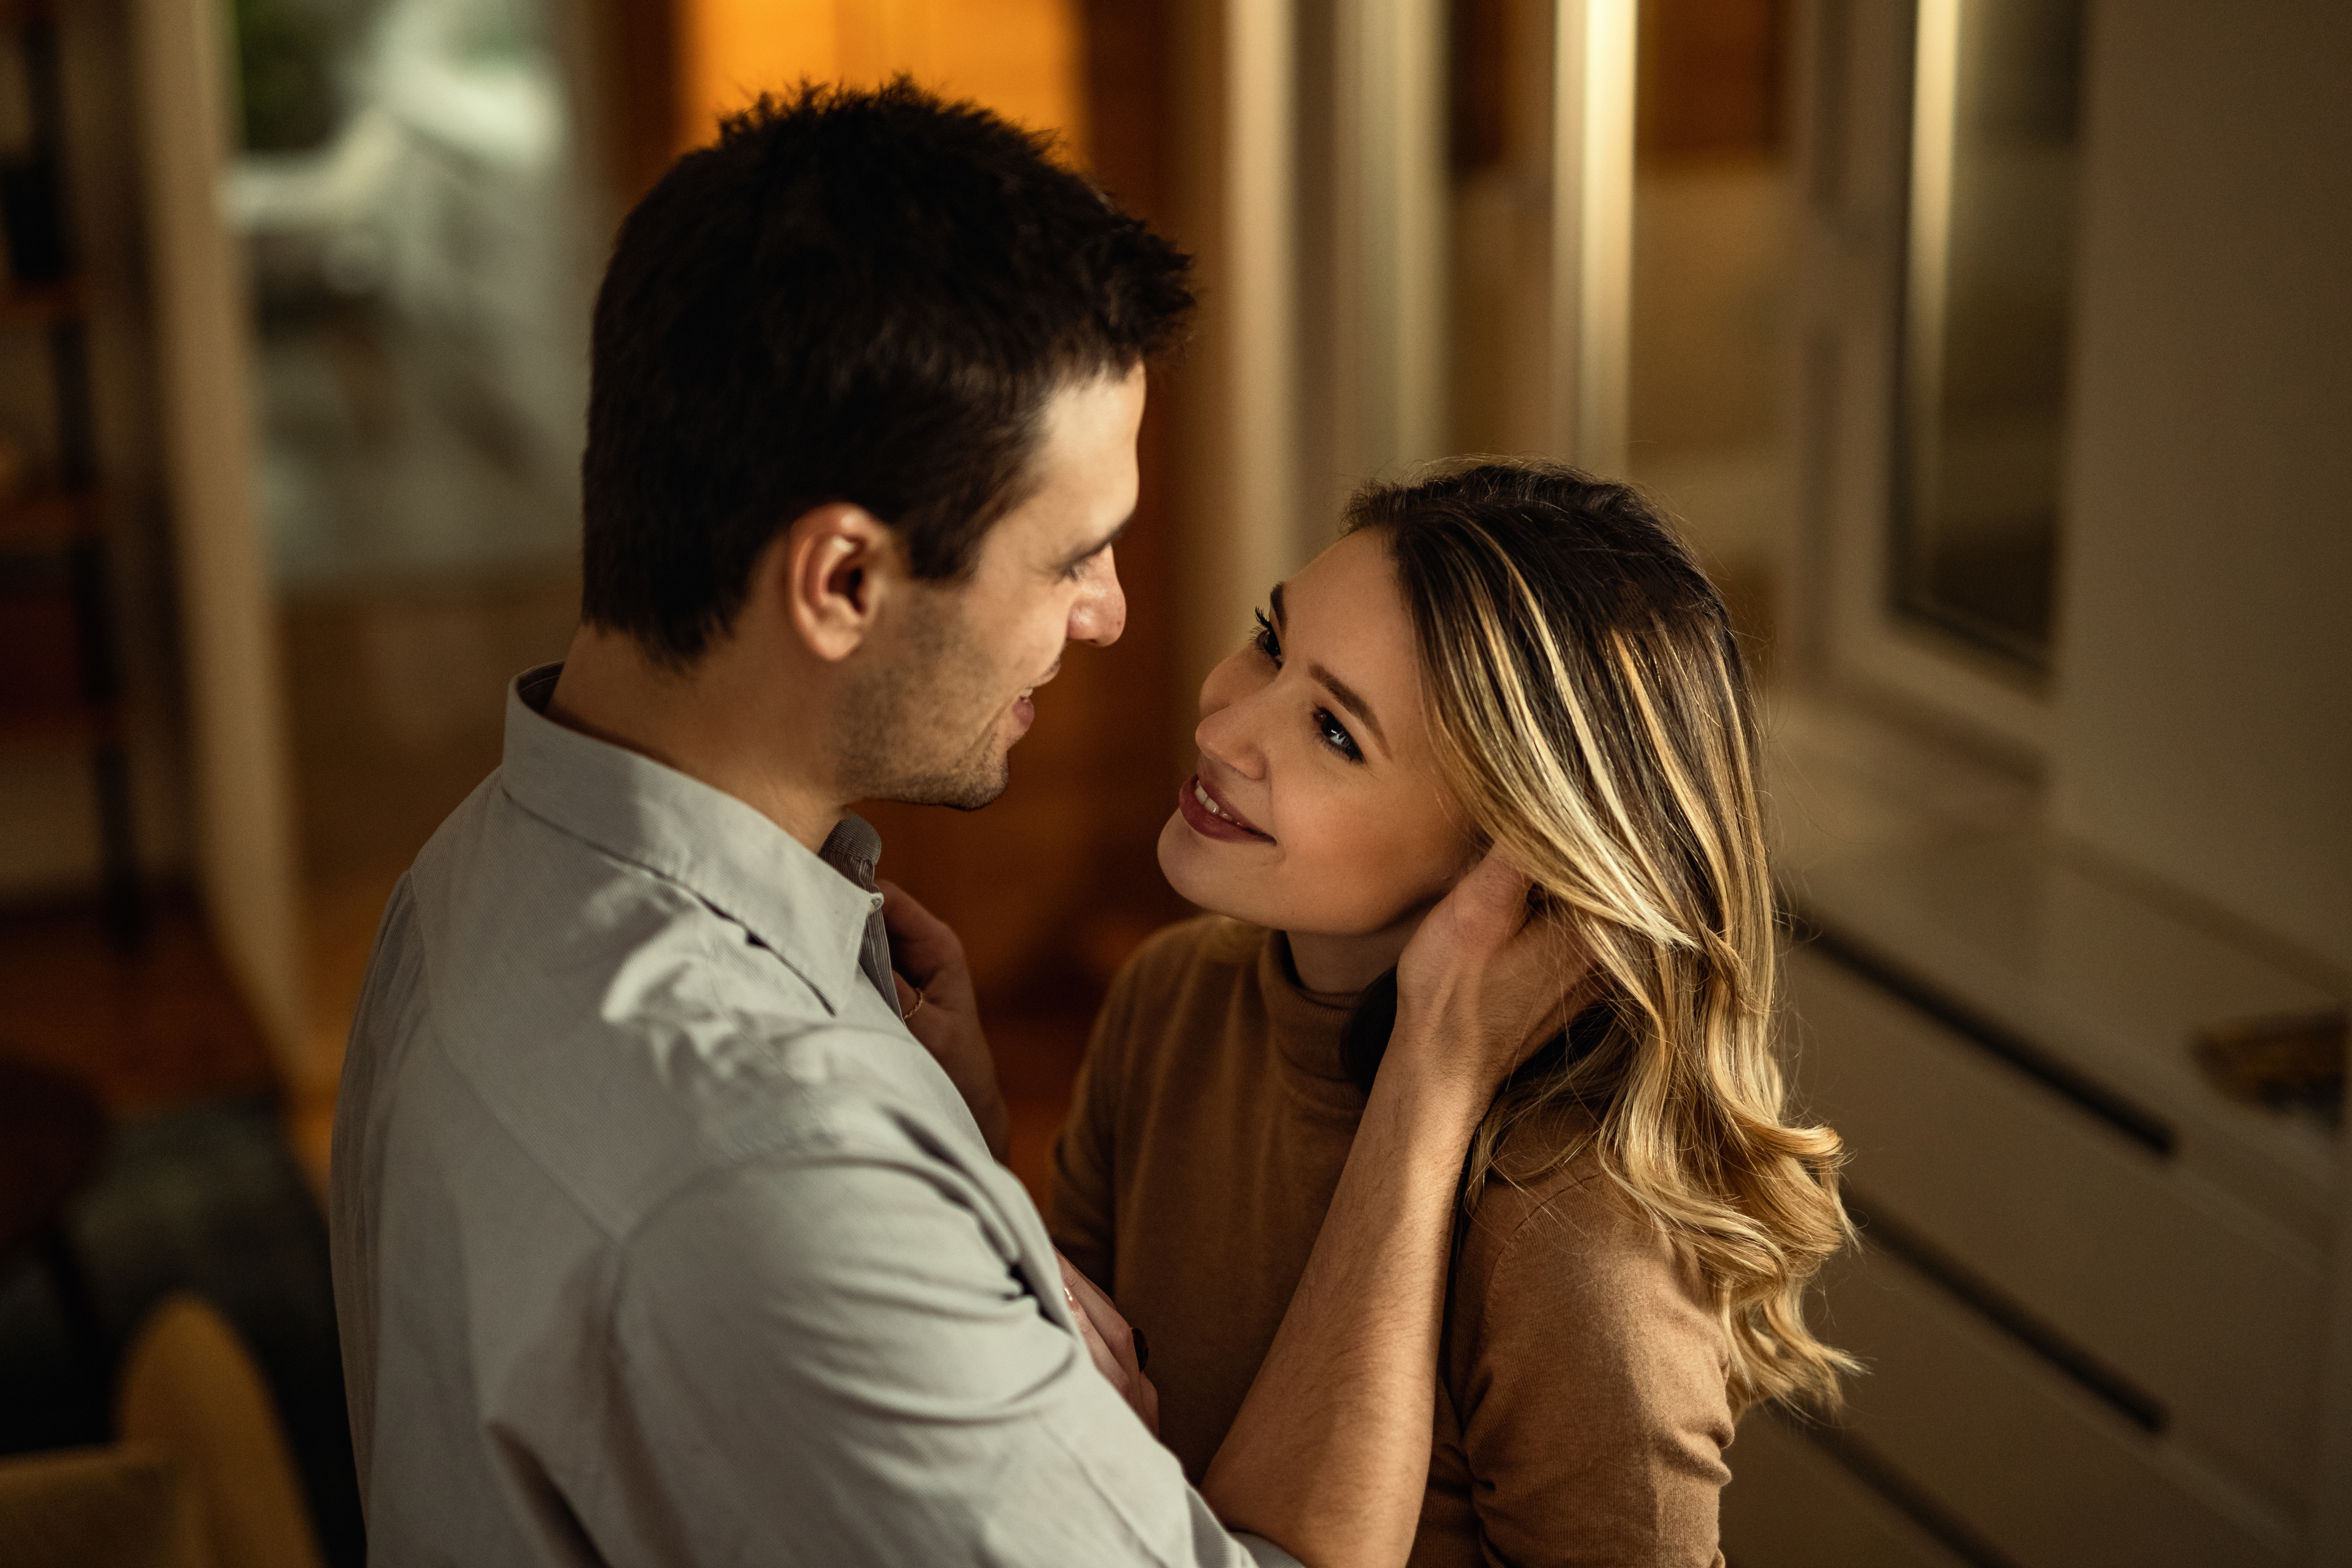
657	1237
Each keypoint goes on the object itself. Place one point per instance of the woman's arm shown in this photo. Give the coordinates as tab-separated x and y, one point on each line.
1330	1455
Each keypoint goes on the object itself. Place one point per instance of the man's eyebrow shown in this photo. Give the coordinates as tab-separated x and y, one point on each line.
1354	703
1091	551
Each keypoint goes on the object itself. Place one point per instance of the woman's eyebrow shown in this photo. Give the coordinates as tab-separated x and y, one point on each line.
1353	702
1339	689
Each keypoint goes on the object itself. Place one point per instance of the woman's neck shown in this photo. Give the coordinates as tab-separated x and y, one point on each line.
1343	963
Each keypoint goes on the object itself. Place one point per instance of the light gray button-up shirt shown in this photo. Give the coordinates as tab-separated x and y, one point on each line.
658	1239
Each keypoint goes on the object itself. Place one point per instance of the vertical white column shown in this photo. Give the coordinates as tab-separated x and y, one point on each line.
245	800
1592	230
1928	278
1391	213
1259	285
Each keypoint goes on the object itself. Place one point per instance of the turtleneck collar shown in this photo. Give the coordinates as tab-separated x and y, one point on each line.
1306	1026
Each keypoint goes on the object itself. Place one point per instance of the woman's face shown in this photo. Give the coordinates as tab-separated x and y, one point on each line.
1317	808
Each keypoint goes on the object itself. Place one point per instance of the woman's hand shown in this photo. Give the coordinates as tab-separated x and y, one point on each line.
1119	1352
1484	981
935	998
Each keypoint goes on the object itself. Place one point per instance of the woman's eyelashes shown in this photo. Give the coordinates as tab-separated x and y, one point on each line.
1267	642
1328	729
1335	735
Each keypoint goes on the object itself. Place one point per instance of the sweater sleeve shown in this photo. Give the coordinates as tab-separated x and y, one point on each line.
1588	1373
1082	1211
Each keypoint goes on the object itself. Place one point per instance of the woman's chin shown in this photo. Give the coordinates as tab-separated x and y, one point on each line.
1182	853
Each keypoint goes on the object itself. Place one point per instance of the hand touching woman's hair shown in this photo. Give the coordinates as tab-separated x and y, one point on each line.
1593	717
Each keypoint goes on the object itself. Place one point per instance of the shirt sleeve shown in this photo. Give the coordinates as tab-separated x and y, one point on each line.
1590	1389
827	1358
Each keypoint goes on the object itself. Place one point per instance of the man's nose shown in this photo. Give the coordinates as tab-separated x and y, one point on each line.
1100	613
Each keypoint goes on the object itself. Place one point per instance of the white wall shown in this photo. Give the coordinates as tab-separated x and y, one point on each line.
2204	704
244	792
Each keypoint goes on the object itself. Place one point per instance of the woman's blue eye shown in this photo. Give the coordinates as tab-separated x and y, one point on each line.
1335	735
1267	643
1329	730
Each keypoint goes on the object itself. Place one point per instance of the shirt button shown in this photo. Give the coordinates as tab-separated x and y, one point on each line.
874	901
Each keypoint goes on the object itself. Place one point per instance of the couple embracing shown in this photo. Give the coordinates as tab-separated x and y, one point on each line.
1441	1166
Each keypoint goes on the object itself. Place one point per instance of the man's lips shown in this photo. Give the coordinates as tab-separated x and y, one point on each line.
1210	814
1024	712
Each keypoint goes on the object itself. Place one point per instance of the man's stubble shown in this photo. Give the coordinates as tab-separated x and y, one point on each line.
920	727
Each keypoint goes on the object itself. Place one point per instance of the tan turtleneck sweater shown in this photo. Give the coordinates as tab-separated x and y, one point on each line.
1581	1415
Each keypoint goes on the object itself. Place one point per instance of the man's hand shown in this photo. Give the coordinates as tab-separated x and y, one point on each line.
1484	981
935	998
1117	1350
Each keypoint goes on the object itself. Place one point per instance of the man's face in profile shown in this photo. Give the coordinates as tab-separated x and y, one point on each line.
932	718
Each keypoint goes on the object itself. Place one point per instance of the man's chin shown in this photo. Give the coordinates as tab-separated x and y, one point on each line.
965	792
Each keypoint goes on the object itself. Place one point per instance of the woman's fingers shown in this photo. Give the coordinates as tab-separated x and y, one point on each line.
1491	903
921	944
1487	979
1110	1341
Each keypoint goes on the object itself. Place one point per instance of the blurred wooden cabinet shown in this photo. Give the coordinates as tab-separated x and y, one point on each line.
2093	1291
59	681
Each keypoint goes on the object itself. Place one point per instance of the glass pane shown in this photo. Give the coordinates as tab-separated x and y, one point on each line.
1993	238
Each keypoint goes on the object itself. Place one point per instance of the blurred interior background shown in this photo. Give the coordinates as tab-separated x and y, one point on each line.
1996	354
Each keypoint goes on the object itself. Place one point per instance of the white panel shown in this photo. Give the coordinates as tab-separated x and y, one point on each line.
2165	1279
1789	1505
1390	287
1259	295
2076	964
2046	1473
1592	230
2205	617
244	803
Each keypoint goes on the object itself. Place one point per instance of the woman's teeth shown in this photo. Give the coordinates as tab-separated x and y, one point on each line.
1210	805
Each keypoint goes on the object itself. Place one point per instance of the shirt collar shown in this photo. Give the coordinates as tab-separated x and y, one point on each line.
812	914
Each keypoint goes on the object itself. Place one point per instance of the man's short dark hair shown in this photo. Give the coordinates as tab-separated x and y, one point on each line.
866	296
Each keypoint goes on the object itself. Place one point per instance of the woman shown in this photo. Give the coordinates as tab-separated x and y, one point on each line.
1520	658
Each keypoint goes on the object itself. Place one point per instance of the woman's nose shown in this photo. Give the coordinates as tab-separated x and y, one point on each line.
1229	731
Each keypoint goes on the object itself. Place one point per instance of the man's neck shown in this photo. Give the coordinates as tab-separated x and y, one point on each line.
739	730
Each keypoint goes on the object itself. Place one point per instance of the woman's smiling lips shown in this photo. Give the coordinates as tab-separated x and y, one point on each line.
1208	813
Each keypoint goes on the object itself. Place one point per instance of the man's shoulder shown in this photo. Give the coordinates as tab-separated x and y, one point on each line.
623	1035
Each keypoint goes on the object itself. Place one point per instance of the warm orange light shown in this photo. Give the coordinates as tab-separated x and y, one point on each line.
1019	57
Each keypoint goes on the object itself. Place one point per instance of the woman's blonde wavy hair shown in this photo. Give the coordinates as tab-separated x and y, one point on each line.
1591	711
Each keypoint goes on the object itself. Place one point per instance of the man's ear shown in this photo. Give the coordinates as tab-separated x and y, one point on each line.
830	570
